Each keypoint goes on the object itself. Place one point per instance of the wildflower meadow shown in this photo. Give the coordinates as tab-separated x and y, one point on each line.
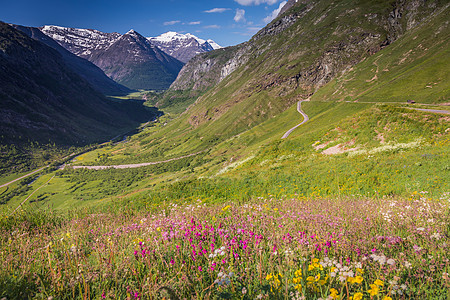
321	248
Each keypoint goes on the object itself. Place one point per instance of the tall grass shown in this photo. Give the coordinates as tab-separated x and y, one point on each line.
342	248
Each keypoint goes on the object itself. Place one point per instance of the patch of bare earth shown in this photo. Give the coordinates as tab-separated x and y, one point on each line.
380	137
340	148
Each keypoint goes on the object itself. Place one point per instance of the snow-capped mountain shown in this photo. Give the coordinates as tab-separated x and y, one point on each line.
81	42
183	46
134	62
129	59
214	45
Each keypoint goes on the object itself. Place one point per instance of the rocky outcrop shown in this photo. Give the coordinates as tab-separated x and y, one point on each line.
208	69
284	21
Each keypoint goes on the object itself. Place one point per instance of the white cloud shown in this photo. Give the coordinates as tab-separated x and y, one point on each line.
274	13
240	15
212	27
217	10
171	23
195	23
256	2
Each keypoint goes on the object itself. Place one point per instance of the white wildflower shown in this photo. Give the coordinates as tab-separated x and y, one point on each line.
390	261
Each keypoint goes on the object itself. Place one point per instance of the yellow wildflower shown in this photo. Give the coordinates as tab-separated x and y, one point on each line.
318	266
226	208
269	276
358	279
334	294
360	271
298	273
387	298
298	287
310	267
374	290
379	282
357	296
297	280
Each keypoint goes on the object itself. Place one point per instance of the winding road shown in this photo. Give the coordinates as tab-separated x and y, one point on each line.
305	119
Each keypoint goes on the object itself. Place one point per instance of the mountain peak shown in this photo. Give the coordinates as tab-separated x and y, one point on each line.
134	34
214	44
183	46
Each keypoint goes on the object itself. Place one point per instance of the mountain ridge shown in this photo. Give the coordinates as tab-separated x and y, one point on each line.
81	66
44	100
146	68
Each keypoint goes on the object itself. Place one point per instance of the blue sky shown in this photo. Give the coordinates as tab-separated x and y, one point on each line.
227	22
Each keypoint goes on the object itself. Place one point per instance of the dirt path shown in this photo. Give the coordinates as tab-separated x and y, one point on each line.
305	119
24	176
130	166
26	199
436	111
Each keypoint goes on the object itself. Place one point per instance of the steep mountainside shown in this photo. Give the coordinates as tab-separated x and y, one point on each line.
93	74
42	99
128	59
132	61
183	46
292	57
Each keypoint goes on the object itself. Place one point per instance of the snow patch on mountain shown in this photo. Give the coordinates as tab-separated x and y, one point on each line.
81	42
183	46
214	44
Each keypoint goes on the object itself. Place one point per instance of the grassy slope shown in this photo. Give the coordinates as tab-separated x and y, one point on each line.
268	166
263	88
233	137
416	67
217	115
